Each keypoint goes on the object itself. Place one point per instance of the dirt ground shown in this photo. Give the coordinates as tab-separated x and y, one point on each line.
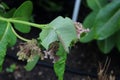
82	64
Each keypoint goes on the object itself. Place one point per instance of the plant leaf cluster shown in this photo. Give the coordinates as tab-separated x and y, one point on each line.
104	23
61	30
7	36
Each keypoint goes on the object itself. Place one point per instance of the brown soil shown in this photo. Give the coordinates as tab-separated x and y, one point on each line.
82	63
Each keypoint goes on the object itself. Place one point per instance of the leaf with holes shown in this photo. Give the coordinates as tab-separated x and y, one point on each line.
61	29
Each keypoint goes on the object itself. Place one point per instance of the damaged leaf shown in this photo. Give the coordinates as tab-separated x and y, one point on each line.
61	29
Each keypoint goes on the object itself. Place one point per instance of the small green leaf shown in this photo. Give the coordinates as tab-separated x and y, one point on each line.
23	13
30	65
106	45
60	29
59	66
7	38
11	68
96	4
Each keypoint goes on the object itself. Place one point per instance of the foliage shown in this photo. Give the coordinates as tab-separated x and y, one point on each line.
104	23
11	68
54	41
55	30
30	65
59	66
7	38
23	13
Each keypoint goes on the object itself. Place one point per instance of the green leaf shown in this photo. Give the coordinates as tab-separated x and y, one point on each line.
10	13
7	38
105	23
48	36
23	13
96	4
106	45
107	20
60	29
89	20
30	65
59	66
88	36
11	68
6	34
88	23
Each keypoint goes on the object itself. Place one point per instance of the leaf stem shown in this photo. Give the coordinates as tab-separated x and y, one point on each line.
24	39
41	26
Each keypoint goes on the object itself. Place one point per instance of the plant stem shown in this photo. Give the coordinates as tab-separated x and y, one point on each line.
41	26
24	39
12	20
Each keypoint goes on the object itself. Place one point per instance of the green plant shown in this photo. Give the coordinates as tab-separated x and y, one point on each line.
11	68
104	23
54	41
